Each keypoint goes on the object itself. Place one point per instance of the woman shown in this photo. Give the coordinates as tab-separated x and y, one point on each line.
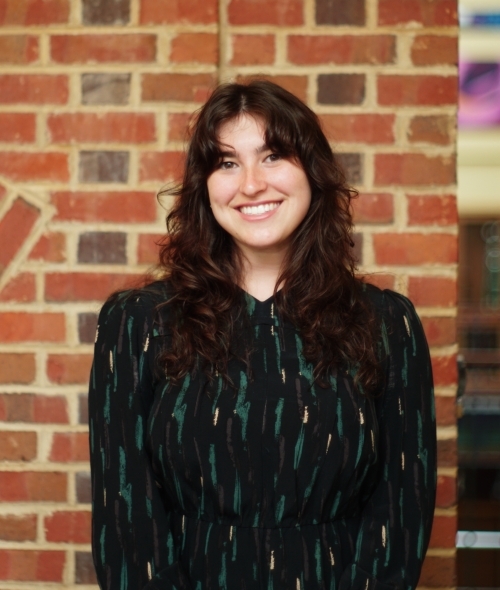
260	418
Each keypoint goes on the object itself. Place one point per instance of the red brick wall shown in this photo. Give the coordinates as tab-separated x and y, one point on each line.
95	96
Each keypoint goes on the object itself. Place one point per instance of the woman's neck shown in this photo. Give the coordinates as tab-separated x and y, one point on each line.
260	274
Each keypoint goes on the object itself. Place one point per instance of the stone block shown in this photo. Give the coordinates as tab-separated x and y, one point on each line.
353	167
102	248
340	12
341	88
105	12
105	88
103	167
87	323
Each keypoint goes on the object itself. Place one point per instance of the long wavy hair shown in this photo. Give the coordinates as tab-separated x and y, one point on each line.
320	293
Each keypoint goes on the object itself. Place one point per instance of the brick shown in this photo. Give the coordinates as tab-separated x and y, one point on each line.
95	206
105	12
24	166
32	327
125	48
446	410
87	286
438	572
419	90
195	48
102	248
179	125
50	409
362	128
353	166
83	409
33	12
341	88
341	49
30	565
105	88
105	166
415	249
444	369
381	280
69	368
295	84
440	331
435	129
68	527
340	12
15	227
447	452
418	12
414	169
148	248
21	289
32	486
260	12
433	291
17	407
17	368
177	87
373	208
432	50
252	50
444	530
432	210
18	49
87	324
84	568
17	127
34	89
20	527
446	495
30	408
161	166
51	247
102	127
178	11
68	447
18	446
83	487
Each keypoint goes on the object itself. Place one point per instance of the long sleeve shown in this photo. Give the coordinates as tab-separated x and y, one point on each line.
131	538
397	519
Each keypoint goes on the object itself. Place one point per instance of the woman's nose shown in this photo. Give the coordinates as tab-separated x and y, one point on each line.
253	181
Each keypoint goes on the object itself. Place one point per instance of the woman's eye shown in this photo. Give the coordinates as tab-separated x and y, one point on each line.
226	165
273	157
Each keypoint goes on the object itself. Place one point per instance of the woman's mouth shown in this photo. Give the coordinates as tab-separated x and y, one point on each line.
259	209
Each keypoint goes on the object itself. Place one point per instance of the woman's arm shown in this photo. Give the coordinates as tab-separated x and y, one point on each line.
131	540
397	519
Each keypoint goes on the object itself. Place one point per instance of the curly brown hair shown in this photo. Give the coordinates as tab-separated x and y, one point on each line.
320	293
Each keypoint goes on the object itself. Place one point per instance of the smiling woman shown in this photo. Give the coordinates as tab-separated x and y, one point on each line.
260	417
259	198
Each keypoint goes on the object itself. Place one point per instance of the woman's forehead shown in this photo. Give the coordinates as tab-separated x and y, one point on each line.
242	123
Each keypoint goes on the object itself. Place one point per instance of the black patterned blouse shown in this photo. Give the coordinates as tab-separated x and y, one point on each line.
278	485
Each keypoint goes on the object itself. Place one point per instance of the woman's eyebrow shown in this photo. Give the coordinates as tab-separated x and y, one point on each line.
230	152
227	153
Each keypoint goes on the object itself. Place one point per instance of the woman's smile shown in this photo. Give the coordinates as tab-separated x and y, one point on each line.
259	210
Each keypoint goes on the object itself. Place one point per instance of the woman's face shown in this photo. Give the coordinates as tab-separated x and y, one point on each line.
257	196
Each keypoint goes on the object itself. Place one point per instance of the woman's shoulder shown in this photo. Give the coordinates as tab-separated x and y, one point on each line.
389	305
135	303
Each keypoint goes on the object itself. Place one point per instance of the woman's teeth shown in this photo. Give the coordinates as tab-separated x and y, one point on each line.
259	209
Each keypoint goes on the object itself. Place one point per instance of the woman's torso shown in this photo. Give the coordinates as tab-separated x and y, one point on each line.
263	483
